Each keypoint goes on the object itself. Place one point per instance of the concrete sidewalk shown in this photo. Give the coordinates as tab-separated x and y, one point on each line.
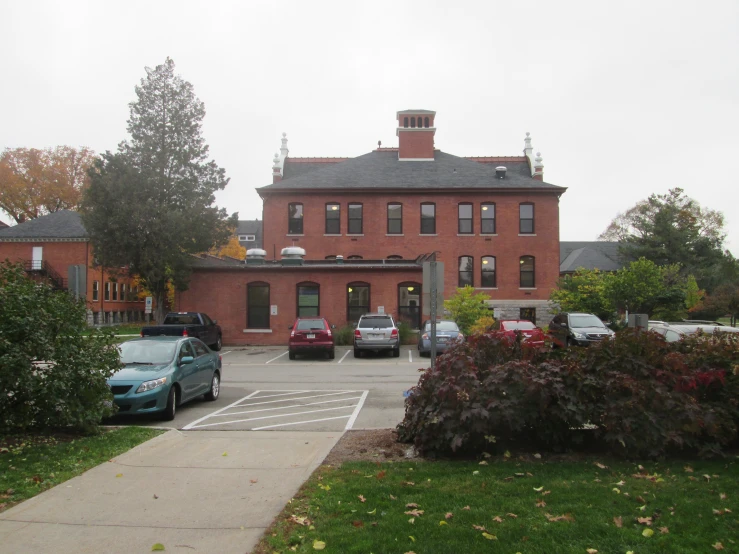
205	501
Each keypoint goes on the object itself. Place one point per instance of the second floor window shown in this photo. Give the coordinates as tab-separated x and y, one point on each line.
355	219
526	219
294	218
487	219
395	219
115	291
95	290
465	271
487	272
107	290
333	219
465	219
428	219
527	272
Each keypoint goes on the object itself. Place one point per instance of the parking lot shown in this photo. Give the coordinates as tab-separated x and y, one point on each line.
262	389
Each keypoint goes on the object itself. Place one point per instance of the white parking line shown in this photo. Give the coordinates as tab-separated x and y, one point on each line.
344	356
275	416
277	358
190	425
356	411
286	407
298	398
283	394
297	423
226	352
410	356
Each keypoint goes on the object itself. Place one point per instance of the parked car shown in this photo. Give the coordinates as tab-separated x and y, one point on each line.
161	373
673	332
577	329
187	324
311	334
530	333
447	334
376	332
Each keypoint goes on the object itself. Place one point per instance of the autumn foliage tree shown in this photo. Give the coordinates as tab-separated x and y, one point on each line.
232	249
37	182
150	206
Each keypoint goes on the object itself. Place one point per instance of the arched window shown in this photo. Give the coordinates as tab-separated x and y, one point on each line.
357	300
527	272
354	257
466	266
413	122
487	272
295	218
409	303
394	257
405	122
308	299
331	257
257	305
426	122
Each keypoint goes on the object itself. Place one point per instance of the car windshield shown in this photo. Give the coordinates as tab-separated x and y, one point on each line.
375	322
310	324
578	321
147	352
443	326
181	319
518	325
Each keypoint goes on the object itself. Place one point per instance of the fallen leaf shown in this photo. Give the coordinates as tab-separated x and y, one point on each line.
410	552
641	500
158	547
381	474
498	519
224	454
475	473
565	517
483	463
442	523
119	475
642	508
546	493
540	503
506	454
155	497
537	456
413	539
707	477
538	489
362	498
591	551
647	532
412	520
616	490
373	512
448	515
514	516
490	537
253	481
478	528
663	530
618	522
620	483
411	505
722	496
358	523
318	545
466	508
718	546
393	497
598	464
409	483
644	520
415	513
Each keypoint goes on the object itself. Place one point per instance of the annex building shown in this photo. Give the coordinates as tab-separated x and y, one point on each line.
345	236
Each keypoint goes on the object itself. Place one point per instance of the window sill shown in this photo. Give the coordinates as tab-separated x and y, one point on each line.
295	235
526	234
332	235
488	234
487	288
394	235
355	234
526	288
465	234
428	234
257	330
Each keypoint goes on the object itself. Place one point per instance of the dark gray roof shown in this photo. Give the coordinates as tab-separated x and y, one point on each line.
64	224
250	227
589	255
293	169
382	170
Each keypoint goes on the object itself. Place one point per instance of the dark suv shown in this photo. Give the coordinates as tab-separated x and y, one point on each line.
568	329
376	332
311	334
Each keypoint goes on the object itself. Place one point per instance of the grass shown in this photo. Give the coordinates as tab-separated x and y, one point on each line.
518	506
30	464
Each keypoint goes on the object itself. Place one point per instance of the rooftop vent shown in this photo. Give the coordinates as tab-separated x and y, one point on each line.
500	172
292	255
255	256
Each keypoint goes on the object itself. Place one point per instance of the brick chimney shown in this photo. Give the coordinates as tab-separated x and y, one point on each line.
416	135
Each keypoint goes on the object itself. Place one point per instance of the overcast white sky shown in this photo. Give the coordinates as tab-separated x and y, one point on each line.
622	100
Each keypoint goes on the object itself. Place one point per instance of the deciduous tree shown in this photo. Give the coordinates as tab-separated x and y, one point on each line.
584	291
151	205
36	182
466	307
232	249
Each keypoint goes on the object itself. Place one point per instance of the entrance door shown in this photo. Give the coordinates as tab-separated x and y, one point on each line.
38	255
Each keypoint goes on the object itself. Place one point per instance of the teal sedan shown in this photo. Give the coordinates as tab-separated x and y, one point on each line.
161	373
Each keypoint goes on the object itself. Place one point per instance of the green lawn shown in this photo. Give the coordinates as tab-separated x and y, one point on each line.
514	506
30	464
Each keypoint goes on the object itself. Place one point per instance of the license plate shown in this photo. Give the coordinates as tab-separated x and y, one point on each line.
441	339
375	335
310	336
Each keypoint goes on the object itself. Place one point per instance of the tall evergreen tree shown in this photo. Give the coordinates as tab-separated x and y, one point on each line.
151	205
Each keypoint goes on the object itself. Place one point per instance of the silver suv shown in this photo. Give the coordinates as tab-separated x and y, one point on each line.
376	332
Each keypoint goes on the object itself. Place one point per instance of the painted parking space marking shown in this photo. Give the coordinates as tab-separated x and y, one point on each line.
277	358
272	409
344	356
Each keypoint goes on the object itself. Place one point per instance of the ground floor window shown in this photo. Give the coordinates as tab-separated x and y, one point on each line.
308	300
527	314
257	306
409	304
357	301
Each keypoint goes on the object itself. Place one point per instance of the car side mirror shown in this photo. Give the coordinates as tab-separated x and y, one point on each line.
186	360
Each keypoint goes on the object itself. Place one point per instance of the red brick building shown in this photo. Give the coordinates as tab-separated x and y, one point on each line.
366	224
50	245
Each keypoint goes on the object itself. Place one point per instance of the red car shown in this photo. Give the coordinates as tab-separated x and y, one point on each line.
311	334
532	335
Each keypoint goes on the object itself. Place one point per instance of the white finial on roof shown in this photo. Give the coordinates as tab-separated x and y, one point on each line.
538	160
528	151
276	162
283	152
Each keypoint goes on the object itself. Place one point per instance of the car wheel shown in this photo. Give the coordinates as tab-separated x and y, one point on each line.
569	342
215	388
218	345
357	353
171	409
331	354
396	353
291	355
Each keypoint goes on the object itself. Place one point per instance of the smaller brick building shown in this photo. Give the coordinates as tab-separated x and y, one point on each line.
50	245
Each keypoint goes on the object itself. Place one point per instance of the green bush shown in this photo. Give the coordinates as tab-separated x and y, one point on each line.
52	370
344	336
643	396
406	333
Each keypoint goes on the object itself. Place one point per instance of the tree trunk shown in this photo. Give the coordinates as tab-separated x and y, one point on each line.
159	298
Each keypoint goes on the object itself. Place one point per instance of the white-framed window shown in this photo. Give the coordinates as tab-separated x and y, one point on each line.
247	238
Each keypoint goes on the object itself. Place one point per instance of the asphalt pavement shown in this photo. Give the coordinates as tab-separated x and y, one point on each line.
218	478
